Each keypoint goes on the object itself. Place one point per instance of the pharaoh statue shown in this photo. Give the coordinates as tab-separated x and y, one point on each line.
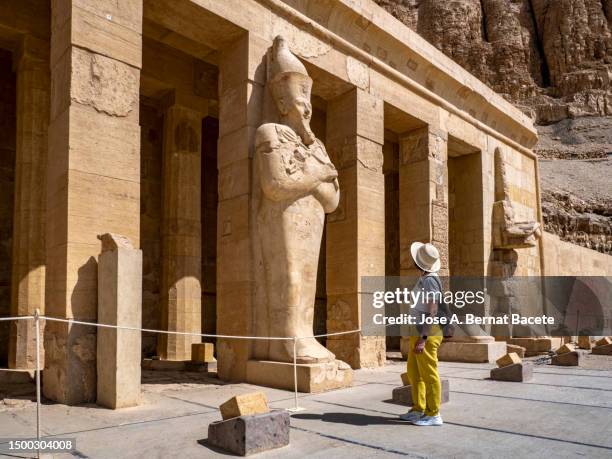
297	185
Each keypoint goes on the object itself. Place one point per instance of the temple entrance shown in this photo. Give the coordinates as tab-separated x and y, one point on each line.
465	215
179	193
7	186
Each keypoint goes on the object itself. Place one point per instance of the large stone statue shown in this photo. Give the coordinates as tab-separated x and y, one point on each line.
298	186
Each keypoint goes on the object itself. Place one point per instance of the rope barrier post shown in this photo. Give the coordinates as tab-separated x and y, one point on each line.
296	406
37	329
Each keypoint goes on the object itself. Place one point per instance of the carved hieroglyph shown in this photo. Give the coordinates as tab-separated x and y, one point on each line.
298	186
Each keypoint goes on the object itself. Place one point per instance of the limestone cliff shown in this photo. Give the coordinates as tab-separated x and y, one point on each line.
553	59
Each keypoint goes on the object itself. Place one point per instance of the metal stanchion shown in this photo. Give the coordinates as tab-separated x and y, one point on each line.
296	406
37	328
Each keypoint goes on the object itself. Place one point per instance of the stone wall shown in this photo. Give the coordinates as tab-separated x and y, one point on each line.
7	179
566	259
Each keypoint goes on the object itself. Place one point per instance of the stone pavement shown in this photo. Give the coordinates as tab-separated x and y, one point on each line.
561	412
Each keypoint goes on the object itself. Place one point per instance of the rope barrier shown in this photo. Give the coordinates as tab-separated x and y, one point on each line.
37	318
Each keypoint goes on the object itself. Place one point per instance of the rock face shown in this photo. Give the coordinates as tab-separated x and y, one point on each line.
553	59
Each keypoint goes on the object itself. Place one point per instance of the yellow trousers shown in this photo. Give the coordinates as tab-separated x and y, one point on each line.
423	375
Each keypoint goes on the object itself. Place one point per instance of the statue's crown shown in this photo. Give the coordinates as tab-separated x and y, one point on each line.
282	61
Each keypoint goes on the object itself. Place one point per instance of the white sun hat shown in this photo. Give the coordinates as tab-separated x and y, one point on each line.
426	256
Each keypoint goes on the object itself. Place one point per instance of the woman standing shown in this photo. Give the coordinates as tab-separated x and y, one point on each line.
424	341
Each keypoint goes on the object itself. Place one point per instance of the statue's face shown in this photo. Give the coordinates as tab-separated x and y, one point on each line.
295	108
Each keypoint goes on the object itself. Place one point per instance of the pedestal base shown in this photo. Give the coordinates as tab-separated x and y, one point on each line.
246	435
487	352
311	378
569	359
536	346
517	372
602	350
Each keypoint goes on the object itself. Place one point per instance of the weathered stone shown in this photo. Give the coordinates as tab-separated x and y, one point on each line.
403	395
508	359
606	340
584	342
567	347
405	379
518	350
246	435
518	372
91	84
566	359
203	352
602	350
535	346
489	352
311	378
244	405
119	303
508	231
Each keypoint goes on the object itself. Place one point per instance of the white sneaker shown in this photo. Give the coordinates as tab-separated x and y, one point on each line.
412	416
429	421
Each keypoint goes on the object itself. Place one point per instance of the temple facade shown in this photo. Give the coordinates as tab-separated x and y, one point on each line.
138	118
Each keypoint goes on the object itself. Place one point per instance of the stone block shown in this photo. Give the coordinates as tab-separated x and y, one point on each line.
606	340
508	359
518	372
584	342
311	378
487	352
405	380
566	348
119	303
203	352
246	435
403	395
518	350
566	359
602	350
536	346
244	405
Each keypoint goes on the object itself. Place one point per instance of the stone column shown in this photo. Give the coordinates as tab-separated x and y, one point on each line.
356	230
423	195
181	290
28	271
241	88
93	179
119	303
